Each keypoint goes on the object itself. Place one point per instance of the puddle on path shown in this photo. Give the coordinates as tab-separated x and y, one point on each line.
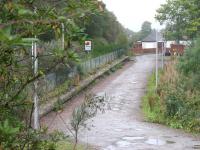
138	129
116	109
111	147
170	142
118	130
165	136
155	142
133	82
123	144
132	138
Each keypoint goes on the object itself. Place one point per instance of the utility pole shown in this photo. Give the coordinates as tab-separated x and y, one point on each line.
35	96
163	54
165	49
156	59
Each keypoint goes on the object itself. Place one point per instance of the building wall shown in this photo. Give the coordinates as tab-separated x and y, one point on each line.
146	45
150	47
168	43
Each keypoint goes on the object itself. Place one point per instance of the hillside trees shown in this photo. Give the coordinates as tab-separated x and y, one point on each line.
104	25
145	29
106	31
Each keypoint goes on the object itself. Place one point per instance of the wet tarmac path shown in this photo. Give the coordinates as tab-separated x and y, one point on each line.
122	127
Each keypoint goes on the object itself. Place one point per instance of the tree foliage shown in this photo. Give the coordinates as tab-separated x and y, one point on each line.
88	109
145	29
20	22
105	26
182	18
140	35
177	98
189	64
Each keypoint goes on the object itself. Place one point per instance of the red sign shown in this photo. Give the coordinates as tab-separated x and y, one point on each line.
88	45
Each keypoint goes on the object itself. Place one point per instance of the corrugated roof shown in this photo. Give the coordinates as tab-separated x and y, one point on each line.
152	37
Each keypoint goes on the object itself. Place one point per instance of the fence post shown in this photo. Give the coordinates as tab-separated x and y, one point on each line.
63	36
94	63
35	96
90	65
99	61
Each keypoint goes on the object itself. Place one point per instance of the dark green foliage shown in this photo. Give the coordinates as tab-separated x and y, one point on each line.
105	25
101	48
8	134
189	64
107	33
173	105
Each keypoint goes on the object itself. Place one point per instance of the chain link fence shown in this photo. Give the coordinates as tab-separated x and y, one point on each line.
65	78
95	63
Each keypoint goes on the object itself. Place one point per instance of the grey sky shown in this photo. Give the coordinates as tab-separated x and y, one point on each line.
132	13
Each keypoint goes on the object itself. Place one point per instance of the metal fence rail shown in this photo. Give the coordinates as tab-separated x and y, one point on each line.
92	64
54	79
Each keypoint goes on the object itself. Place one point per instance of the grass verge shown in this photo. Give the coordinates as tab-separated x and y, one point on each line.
68	145
151	104
172	103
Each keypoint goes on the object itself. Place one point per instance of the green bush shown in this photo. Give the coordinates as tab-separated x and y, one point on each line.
189	66
176	102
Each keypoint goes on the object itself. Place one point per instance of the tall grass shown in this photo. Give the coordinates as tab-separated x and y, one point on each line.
151	104
173	103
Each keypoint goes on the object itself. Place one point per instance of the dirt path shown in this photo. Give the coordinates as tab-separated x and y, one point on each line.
123	127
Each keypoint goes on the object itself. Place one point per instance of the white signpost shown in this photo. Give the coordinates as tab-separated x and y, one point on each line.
88	46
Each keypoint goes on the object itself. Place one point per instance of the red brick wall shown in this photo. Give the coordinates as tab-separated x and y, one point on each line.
137	49
147	50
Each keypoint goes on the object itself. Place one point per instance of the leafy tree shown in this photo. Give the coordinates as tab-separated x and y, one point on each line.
104	25
138	36
189	64
182	18
179	86
88	109
106	32
20	20
145	29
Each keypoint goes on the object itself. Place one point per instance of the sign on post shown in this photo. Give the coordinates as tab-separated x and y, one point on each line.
88	45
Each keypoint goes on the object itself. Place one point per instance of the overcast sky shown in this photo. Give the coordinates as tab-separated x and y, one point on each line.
132	13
